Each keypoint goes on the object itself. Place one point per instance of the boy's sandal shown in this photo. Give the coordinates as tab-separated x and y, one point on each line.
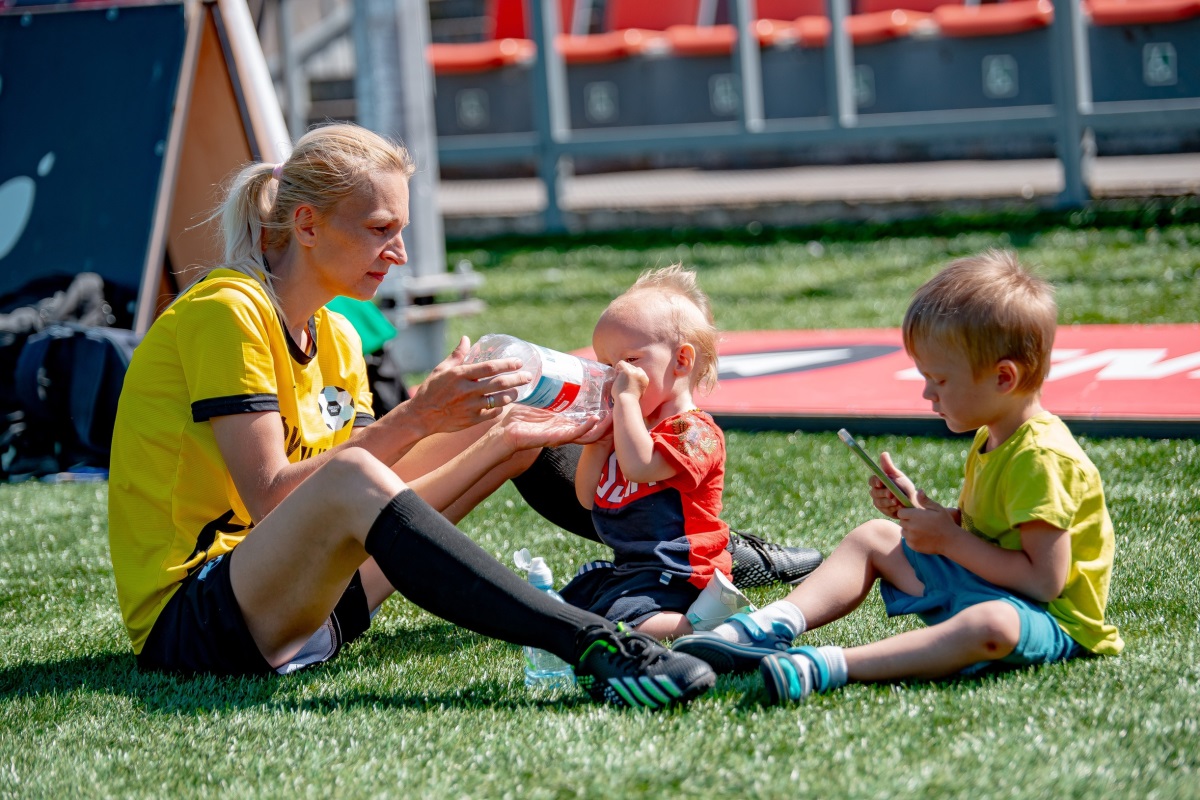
820	667
792	676
727	657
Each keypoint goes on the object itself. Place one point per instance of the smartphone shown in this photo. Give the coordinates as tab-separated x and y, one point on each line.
845	436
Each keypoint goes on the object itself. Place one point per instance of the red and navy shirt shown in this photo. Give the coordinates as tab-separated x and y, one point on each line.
672	526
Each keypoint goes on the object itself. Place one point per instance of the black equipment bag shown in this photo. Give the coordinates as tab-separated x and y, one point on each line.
69	377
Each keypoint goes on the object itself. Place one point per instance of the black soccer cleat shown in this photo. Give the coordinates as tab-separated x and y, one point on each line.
627	668
761	563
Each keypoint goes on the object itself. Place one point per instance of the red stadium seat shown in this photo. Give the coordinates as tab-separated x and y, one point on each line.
631	27
873	6
463	57
509	43
878	21
654	15
1141	12
507	17
994	19
864	29
610	46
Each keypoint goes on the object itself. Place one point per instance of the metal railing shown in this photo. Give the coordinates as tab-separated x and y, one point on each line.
1067	120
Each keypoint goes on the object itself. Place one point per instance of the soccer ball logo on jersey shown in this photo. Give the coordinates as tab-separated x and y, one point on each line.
337	407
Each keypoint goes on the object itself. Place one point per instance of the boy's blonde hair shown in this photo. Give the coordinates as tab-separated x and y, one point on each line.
679	286
327	165
990	308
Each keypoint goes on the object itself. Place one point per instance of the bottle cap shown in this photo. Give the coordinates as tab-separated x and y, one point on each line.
539	572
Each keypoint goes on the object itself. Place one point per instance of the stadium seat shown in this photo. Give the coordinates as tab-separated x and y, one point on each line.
957	57
795	48
616	76
1144	49
994	19
507	41
1141	12
484	87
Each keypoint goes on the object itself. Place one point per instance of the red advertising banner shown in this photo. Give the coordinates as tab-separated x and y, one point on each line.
1106	379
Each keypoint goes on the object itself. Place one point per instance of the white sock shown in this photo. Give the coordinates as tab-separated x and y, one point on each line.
835	659
780	611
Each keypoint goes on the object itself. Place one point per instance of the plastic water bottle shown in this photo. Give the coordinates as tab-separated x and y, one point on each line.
563	383
543	670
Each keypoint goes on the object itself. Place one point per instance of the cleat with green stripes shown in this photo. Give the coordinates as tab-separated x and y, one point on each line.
627	668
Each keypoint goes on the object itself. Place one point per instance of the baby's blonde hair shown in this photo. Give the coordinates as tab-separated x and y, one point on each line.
990	308
679	286
327	165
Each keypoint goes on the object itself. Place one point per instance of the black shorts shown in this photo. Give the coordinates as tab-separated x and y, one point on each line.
201	629
631	597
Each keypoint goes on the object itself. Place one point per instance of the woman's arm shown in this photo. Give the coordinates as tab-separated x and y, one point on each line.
256	457
452	398
254	452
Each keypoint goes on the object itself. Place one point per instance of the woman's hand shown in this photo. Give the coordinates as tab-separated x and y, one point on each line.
457	395
524	427
602	434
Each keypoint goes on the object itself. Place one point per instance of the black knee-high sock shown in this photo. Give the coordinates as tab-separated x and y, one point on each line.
548	486
436	566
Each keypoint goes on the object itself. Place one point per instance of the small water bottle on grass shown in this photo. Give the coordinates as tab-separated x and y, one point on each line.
543	670
566	384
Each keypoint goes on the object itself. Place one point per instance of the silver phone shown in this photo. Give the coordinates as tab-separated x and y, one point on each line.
845	436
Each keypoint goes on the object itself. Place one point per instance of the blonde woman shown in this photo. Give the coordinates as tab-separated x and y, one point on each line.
258	512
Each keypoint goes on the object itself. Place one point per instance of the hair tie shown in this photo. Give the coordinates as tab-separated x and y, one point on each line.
277	172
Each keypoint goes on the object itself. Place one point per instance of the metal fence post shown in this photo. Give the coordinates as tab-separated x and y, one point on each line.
747	66
839	67
550	113
295	76
1070	64
394	92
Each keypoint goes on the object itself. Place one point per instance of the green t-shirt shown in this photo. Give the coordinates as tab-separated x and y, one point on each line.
1041	473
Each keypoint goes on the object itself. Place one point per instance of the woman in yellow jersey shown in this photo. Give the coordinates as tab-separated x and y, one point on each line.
258	512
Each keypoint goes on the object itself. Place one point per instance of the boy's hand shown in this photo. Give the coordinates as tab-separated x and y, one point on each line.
929	526
629	380
881	496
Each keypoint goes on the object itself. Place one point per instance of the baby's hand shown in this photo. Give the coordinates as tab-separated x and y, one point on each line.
630	380
881	496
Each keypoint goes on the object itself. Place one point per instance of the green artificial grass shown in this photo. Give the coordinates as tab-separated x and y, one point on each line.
420	708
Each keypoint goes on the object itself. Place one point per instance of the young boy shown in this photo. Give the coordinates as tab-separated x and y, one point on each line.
1017	575
654	484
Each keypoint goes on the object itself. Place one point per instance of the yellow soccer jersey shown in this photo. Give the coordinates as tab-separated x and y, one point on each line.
1041	473
219	349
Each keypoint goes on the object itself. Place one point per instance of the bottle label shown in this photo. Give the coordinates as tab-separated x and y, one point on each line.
559	384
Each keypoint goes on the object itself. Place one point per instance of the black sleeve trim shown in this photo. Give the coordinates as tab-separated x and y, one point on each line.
204	410
362	420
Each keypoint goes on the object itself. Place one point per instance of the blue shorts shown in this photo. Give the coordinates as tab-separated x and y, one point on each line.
631	596
950	588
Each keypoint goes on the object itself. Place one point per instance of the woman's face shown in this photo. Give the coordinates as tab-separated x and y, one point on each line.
360	240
